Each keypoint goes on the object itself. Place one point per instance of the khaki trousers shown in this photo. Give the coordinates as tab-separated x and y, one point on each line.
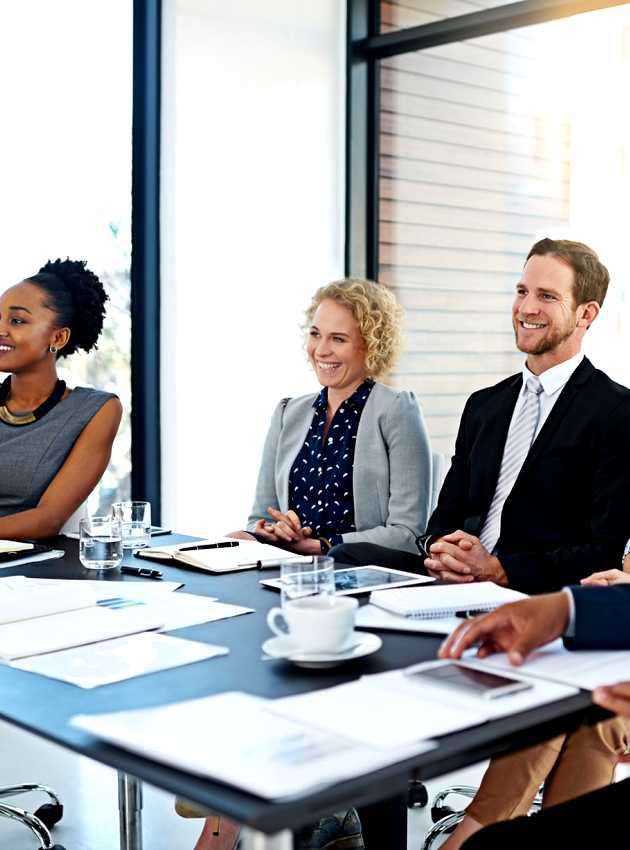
190	810
569	765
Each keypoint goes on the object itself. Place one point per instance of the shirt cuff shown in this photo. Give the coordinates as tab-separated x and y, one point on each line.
335	540
569	632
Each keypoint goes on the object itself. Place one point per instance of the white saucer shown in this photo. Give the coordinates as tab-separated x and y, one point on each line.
359	645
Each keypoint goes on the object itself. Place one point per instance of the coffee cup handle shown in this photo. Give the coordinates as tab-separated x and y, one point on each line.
274	617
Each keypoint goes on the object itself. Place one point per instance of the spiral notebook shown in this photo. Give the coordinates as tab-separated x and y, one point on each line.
444	600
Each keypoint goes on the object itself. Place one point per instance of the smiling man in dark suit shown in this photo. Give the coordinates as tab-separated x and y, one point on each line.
534	497
535	500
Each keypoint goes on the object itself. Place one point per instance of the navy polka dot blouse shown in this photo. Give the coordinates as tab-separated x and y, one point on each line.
320	484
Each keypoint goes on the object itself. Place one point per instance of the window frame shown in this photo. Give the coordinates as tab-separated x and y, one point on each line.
366	45
146	473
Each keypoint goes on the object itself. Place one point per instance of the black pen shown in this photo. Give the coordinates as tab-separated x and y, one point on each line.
468	615
224	544
141	572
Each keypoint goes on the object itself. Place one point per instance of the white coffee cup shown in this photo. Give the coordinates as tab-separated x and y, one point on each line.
315	624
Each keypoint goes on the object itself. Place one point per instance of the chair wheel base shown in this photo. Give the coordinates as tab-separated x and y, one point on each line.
50	813
417	795
439	812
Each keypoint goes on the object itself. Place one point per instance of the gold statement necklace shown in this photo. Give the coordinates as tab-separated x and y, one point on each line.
28	418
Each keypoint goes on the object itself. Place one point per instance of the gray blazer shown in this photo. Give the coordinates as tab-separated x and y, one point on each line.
392	467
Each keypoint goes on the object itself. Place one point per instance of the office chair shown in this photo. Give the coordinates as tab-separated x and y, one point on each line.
445	819
417	794
71	526
39	822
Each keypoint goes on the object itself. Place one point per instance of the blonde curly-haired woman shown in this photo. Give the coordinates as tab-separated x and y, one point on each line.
349	464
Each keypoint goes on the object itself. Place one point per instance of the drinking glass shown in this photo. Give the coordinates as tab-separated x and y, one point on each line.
100	542
135	518
313	578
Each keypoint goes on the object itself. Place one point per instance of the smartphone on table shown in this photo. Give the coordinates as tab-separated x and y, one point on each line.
470	680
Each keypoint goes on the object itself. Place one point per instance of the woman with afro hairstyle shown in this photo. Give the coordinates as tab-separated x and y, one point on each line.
55	442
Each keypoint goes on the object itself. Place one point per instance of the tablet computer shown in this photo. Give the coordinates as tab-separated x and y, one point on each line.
364	580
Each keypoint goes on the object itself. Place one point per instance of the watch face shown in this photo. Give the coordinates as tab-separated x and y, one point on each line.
421	543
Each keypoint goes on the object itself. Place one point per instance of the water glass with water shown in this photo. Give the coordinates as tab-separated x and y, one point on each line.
135	518
312	578
100	542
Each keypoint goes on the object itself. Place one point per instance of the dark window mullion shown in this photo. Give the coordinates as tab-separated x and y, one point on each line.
145	255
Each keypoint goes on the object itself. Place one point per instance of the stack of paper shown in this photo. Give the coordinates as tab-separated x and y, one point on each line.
118	659
286	747
583	668
253	746
419	708
92	633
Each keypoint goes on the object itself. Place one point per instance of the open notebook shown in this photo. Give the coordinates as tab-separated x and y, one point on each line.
444	600
219	555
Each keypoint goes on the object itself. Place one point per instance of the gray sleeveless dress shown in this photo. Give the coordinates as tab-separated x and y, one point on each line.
31	455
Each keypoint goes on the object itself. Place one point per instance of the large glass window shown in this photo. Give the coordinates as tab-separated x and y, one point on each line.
487	145
399	14
252	200
65	172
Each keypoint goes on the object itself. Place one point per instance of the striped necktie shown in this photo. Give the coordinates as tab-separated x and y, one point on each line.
518	442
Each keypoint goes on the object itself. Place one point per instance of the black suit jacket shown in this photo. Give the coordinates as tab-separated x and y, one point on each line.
601	618
567	514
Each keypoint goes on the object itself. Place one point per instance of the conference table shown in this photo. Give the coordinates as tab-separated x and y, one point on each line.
44	707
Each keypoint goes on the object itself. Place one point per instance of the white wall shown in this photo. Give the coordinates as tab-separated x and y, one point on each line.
252	206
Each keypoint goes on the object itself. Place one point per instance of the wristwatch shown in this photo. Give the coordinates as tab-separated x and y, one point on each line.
423	542
325	545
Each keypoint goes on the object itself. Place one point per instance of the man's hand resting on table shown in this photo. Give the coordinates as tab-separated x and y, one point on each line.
606	578
460	557
517	628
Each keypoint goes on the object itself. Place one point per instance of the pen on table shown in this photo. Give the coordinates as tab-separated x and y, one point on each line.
468	615
265	565
141	572
224	544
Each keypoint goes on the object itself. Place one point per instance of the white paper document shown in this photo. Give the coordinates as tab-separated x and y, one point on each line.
243	740
104	589
180	610
370	712
421	709
582	668
372	617
53	555
541	692
19	601
73	628
118	659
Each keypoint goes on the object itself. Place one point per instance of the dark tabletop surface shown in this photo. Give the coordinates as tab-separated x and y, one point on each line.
44	706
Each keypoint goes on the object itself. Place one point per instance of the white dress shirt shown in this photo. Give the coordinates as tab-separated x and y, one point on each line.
552	381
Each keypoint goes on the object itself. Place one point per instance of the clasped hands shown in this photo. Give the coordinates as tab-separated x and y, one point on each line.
288	531
460	557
